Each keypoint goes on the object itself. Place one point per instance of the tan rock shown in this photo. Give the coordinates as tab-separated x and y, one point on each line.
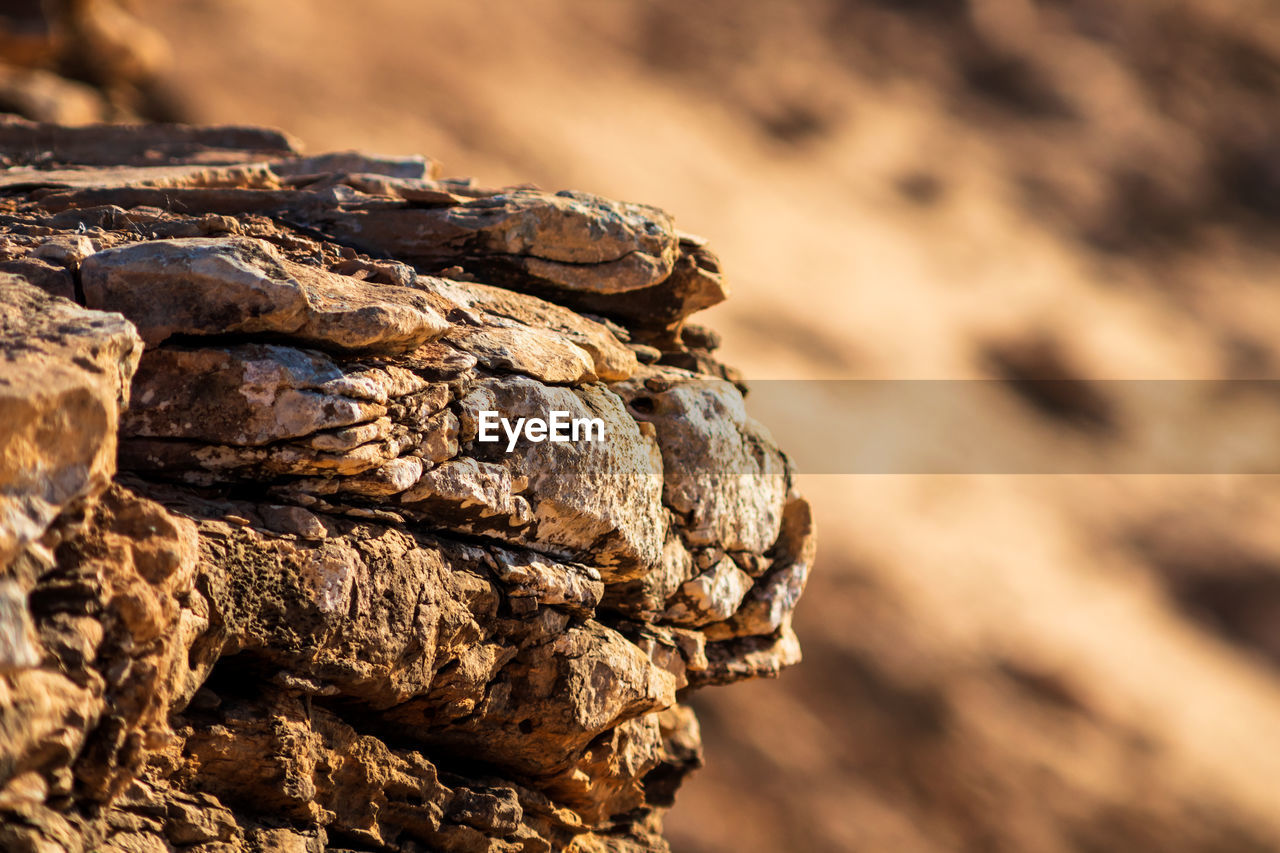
596	502
774	596
566	241
712	596
734	502
495	307
203	286
246	395
116	144
314	589
64	378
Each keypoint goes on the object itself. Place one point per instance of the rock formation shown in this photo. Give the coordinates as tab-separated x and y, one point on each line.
263	588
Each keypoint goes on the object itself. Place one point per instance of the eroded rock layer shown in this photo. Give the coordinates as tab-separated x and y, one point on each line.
265	589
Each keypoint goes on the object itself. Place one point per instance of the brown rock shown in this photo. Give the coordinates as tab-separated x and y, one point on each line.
201	286
566	241
51	278
734	503
596	501
116	145
64	377
252	394
316	608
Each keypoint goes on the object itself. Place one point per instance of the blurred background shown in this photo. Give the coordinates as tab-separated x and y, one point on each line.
940	189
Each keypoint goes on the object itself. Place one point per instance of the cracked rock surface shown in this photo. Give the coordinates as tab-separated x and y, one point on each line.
263	587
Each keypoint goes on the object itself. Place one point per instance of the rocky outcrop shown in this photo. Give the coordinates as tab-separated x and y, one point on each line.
265	587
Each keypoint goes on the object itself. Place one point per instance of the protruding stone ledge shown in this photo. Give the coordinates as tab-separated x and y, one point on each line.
313	607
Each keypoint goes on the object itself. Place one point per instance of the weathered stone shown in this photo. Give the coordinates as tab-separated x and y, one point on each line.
53	279
775	595
566	241
495	308
255	176
202	286
543	581
748	657
439	441
588	681
295	520
598	502
346	162
397	476
537	353
17	650
251	394
316	609
712	596
468	494
64	377
657	313
115	619
734	503
68	250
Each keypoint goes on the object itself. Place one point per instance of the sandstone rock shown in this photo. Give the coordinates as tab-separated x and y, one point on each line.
657	312
566	241
775	594
295	520
17	651
712	596
66	250
546	582
252	394
202	286
699	419
53	279
349	162
494	307
594	501
537	353
63	381
468	495
313	609
255	176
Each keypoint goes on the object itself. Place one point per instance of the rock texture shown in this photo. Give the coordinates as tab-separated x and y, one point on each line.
263	588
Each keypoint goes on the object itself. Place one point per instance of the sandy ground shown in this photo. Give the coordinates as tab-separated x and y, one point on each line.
993	662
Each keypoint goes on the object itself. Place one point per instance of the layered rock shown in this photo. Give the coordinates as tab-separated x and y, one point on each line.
305	606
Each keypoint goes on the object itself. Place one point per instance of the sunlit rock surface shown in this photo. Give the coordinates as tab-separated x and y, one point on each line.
265	589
